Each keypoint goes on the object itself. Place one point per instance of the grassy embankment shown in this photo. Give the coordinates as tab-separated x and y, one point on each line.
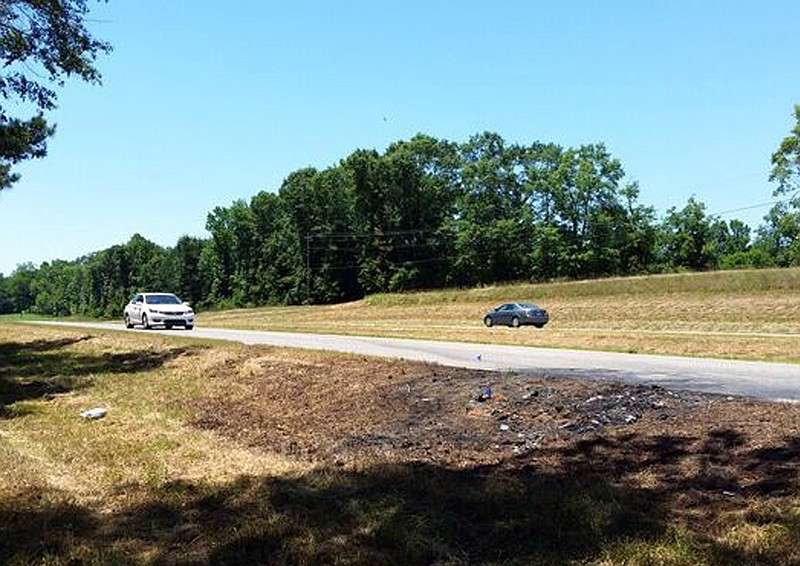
147	486
730	314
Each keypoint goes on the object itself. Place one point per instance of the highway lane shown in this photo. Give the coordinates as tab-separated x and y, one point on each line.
762	380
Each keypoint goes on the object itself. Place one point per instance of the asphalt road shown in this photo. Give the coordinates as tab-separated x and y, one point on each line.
751	379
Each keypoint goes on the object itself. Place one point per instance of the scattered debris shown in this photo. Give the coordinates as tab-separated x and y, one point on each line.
433	413
96	413
486	394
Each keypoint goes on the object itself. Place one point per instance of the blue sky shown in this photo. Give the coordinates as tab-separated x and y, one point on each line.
207	102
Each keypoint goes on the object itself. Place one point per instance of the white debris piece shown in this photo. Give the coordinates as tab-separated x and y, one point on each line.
96	413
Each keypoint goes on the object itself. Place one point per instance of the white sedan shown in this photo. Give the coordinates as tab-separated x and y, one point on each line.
158	309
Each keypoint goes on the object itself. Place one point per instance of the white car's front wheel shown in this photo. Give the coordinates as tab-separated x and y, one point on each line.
145	323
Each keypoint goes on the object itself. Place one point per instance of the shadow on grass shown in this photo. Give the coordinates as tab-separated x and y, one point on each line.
399	514
719	463
414	514
37	370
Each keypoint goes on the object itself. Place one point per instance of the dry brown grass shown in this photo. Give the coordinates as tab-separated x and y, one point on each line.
144	440
748	315
226	454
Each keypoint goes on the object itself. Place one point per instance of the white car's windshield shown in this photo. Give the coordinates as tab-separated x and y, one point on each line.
162	300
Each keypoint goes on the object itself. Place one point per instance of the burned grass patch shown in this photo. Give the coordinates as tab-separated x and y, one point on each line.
357	409
684	473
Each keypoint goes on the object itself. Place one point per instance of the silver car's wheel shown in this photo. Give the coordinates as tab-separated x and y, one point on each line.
488	321
515	322
128	323
145	323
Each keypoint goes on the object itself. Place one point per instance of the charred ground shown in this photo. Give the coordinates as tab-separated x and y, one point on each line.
356	411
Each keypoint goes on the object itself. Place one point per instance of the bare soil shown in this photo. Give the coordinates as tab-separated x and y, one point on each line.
359	411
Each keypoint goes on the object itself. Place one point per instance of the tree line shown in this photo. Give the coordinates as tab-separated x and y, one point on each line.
425	213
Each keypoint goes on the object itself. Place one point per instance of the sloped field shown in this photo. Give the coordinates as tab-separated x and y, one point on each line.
730	314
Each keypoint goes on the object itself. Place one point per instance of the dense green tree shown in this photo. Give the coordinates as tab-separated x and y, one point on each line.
109	281
56	288
218	261
320	208
428	175
6	296
377	216
728	238
145	263
786	161
687	237
280	262
184	269
638	250
42	43
493	222
779	237
544	177
593	214
18	287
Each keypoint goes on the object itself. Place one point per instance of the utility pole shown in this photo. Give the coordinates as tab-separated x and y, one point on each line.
308	269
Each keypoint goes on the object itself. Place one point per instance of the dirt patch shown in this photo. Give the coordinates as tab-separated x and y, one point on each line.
360	411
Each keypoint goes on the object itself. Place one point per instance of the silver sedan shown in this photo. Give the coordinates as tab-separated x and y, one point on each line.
516	315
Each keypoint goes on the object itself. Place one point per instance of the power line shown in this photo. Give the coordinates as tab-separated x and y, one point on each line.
355	235
740	209
352	238
759	205
398	264
334	248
